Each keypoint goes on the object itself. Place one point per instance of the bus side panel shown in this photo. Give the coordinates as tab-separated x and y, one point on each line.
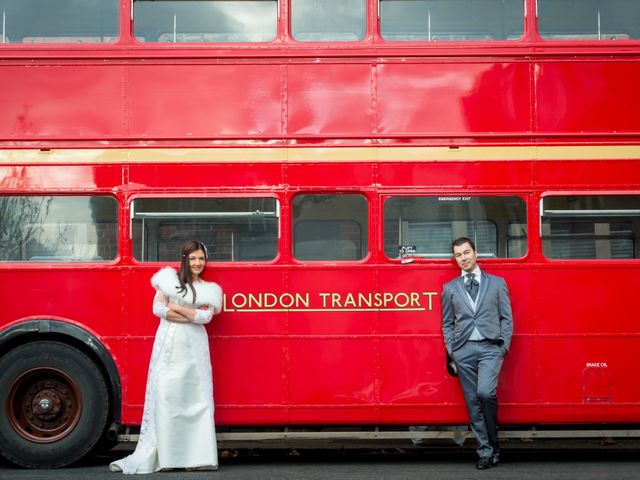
64	101
443	98
250	379
329	99
248	348
456	175
413	368
332	371
573	174
587	96
588	336
27	178
320	174
236	173
89	298
210	100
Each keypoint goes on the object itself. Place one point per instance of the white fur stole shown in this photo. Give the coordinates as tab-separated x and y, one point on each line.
207	293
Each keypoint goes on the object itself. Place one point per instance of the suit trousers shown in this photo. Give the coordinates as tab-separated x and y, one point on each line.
479	364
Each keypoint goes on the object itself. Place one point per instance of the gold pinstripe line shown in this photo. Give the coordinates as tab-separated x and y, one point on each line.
316	154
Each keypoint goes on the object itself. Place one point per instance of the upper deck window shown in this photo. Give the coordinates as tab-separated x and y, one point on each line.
205	20
59	21
328	20
591	226
589	19
425	226
233	229
451	20
58	229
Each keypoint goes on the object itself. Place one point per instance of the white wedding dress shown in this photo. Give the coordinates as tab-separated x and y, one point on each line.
177	428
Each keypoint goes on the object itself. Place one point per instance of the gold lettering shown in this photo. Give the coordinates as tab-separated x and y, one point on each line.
255	301
302	300
235	303
388	297
378	300
270	300
364	300
335	300
406	300
339	301
415	299
289	297
430	295
324	299
349	301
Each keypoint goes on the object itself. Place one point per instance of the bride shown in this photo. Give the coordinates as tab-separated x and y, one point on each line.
177	423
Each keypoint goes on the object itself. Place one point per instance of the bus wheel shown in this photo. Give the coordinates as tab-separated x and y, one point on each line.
55	405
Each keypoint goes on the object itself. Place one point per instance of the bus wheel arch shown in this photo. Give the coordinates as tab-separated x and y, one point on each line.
58	394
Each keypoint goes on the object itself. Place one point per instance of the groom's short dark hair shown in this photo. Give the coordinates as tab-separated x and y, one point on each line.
461	241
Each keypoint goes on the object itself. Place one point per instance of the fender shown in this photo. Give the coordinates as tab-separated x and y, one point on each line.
57	329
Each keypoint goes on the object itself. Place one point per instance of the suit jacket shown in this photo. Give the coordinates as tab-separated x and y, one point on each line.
492	316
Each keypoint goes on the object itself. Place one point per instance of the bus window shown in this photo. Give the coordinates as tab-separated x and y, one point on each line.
58	229
451	20
233	229
330	227
328	20
591	226
426	226
63	21
589	19
205	20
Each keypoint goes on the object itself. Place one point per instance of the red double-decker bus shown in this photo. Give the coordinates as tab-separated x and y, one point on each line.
326	153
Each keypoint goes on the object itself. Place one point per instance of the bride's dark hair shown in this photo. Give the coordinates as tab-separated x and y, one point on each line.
184	275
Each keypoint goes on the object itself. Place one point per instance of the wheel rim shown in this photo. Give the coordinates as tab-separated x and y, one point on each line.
44	405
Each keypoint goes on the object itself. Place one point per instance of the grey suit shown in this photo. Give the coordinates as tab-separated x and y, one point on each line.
479	362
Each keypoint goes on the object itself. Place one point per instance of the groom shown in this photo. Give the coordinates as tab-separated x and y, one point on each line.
477	328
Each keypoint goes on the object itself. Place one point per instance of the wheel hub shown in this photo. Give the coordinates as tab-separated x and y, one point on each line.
46	405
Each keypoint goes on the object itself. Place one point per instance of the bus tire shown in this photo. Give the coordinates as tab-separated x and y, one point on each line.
55	405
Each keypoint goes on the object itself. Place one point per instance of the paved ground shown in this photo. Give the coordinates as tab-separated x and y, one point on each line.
519	464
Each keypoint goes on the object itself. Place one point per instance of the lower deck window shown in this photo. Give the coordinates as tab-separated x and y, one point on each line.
590	226
425	226
58	229
330	227
233	229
